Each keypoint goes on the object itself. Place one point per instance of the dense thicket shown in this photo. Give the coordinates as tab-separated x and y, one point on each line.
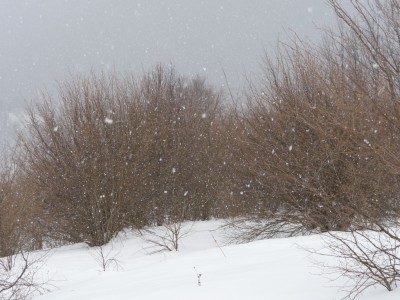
314	148
119	152
319	135
313	140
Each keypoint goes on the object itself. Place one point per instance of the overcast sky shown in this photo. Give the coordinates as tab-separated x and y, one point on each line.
41	41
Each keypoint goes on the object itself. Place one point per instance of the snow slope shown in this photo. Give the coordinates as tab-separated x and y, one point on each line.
269	269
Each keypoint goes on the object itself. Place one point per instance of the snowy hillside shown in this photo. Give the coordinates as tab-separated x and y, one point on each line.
10	124
270	269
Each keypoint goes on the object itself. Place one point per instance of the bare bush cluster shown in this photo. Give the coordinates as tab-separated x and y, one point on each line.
315	149
120	152
167	237
367	258
18	268
319	140
19	278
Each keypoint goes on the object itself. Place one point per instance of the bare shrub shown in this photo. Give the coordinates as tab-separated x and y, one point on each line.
316	139
180	146
366	258
105	258
249	228
81	156
119	152
320	139
18	214
9	218
166	237
19	278
369	252
307	146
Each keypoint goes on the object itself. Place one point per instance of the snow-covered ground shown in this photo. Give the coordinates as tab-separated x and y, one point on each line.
279	269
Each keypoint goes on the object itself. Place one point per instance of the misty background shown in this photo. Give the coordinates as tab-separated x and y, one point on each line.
44	41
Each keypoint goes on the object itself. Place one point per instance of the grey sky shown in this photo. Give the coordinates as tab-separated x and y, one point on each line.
42	40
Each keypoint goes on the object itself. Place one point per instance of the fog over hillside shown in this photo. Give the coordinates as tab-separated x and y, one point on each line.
42	41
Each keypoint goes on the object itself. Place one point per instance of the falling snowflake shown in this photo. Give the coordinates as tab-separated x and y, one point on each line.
367	142
108	121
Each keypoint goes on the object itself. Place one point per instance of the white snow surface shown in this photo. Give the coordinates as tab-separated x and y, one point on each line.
279	269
